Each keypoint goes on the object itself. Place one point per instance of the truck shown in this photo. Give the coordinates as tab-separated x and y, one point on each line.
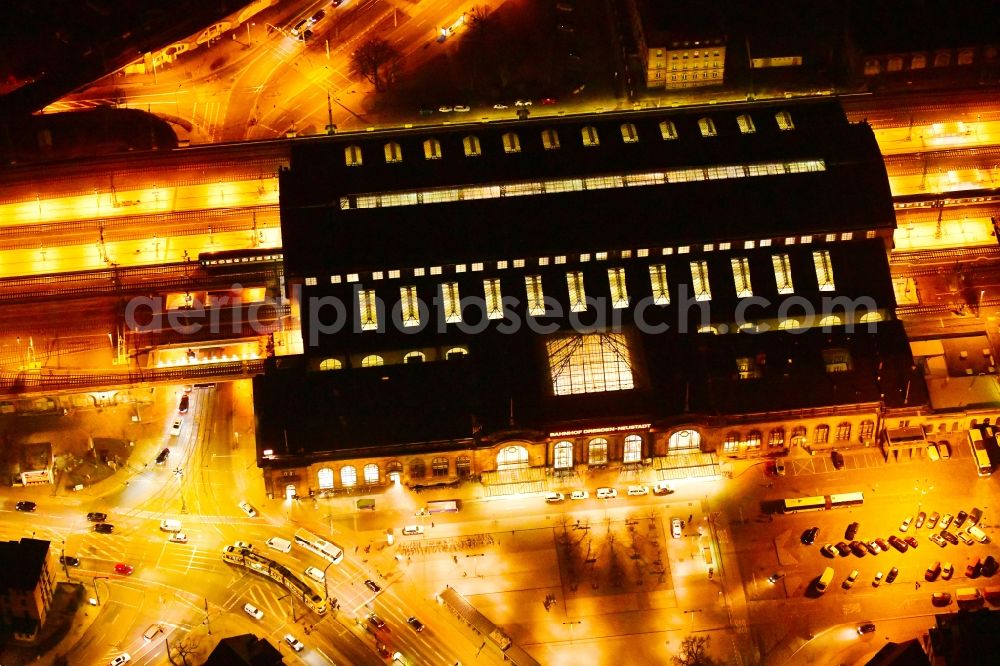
968	595
823	582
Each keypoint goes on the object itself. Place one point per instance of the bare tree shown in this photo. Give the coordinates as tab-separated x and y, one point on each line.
694	652
480	22
189	646
378	61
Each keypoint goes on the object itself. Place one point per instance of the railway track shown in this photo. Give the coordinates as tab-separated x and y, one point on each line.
944	255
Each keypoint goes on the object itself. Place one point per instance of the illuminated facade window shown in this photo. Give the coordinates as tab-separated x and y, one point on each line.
414	357
821	435
352	155
536	299
658	280
632	453
590	137
456	352
824	270
871	317
563	455
866	431
452	303
372	360
472	147
741	276
731	443
789	324
325	478
577	296
776	438
368	309
410	306
799	435
432	149
511	143
619	291
348	476
591	363
439	467
463	466
746	124
837	359
393	153
668	130
843	431
418	469
707	127
783	273
494	300
784	120
330	364
747	368
371	474
629	134
311	282
550	139
597	451
753	440
831	320
699	281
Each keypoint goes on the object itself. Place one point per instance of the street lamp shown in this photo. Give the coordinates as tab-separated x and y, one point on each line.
97	595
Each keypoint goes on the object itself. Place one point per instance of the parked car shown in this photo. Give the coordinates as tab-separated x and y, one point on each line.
809	536
124	569
182	408
638	491
933	571
975	515
554	498
851	532
579	495
944	448
523	102
912	541
866	628
882	544
123	658
104	528
945	521
253	611
415	623
949	537
294	643
247	509
921	517
842	548
893	572
663	488
974	567
25	505
872	547
97	517
947	571
898	543
549	100
445	109
857	548
178	537
69	561
905	525
828	550
499	106
965	538
175	428
162	456
675	528
850	580
932	452
932	520
990	566
936	538
960	519
878	579
377	622
315	574
838	459
373	586
779	467
941	599
606	493
462	108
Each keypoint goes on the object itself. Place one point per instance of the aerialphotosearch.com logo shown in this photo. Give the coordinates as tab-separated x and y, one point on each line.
470	315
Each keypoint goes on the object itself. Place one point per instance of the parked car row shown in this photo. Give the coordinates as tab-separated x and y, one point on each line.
659	488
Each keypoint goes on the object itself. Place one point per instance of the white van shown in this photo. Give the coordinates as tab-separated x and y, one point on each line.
978	534
413	529
277	543
315	574
169	525
824	580
638	491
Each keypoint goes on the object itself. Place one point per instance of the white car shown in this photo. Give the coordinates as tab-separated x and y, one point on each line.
123	658
638	491
554	498
413	530
247	509
179	537
315	574
253	611
462	108
675	528
523	102
905	525
445	109
500	106
175	429
579	495
294	642
606	493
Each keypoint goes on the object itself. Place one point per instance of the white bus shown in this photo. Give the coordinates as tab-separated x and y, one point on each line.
979	454
324	549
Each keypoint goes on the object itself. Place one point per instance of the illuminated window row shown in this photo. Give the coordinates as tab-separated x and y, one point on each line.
553	185
450	298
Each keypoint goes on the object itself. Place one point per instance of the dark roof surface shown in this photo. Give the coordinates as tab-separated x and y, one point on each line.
244	650
894	26
318	237
21	563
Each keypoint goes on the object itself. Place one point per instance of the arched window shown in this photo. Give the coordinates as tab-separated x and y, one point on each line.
512	457
871	317
414	357
633	449
432	149
325	478
463	466
590	137
799	435
831	320
789	324
394	467
597	451
732	442
456	352
866	431
629	134
684	440
330	364
352	155
511	143
776	438
439	466
753	439
348	476
393	153
668	130
371	474
784	120
418	469
563	455
372	360
843	431
550	139
708	329
821	435
746	123
472	147
707	127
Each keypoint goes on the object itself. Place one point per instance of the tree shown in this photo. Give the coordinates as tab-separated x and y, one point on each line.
190	646
479	22
694	652
378	61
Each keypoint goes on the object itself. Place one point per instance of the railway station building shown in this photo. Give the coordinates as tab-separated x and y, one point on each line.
527	303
